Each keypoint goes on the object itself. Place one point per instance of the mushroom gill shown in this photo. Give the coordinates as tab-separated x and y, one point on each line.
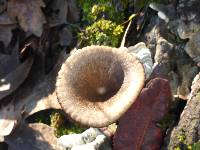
97	84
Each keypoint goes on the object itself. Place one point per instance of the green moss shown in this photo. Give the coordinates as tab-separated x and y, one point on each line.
40	117
196	146
181	138
58	121
102	32
177	148
101	23
106	11
184	146
69	129
94	10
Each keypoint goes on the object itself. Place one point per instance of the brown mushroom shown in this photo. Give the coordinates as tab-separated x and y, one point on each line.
97	84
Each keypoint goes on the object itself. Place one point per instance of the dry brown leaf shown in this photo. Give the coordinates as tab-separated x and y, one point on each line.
137	128
3	4
9	62
62	11
58	12
6	34
28	14
37	93
8	119
65	37
6	20
73	12
14	79
43	103
29	99
35	136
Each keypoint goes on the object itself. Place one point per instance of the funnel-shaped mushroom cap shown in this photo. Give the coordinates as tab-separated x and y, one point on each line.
97	84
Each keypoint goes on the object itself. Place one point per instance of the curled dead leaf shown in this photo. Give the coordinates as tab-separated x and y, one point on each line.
8	119
36	136
73	12
6	34
3	4
9	62
14	79
28	14
6	20
40	95
58	12
65	37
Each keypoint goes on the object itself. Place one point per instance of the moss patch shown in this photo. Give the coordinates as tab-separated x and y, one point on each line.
102	32
63	127
57	120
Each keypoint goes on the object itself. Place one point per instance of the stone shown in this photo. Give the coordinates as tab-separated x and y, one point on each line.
94	145
91	139
193	47
185	23
144	54
191	8
189	27
163	51
185	30
186	70
165	12
189	17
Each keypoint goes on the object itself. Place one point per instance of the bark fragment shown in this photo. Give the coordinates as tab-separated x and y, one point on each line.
189	125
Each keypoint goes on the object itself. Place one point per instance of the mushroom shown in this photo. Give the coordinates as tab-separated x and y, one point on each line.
97	84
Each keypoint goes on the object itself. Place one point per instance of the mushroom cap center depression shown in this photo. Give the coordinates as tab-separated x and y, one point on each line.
96	77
